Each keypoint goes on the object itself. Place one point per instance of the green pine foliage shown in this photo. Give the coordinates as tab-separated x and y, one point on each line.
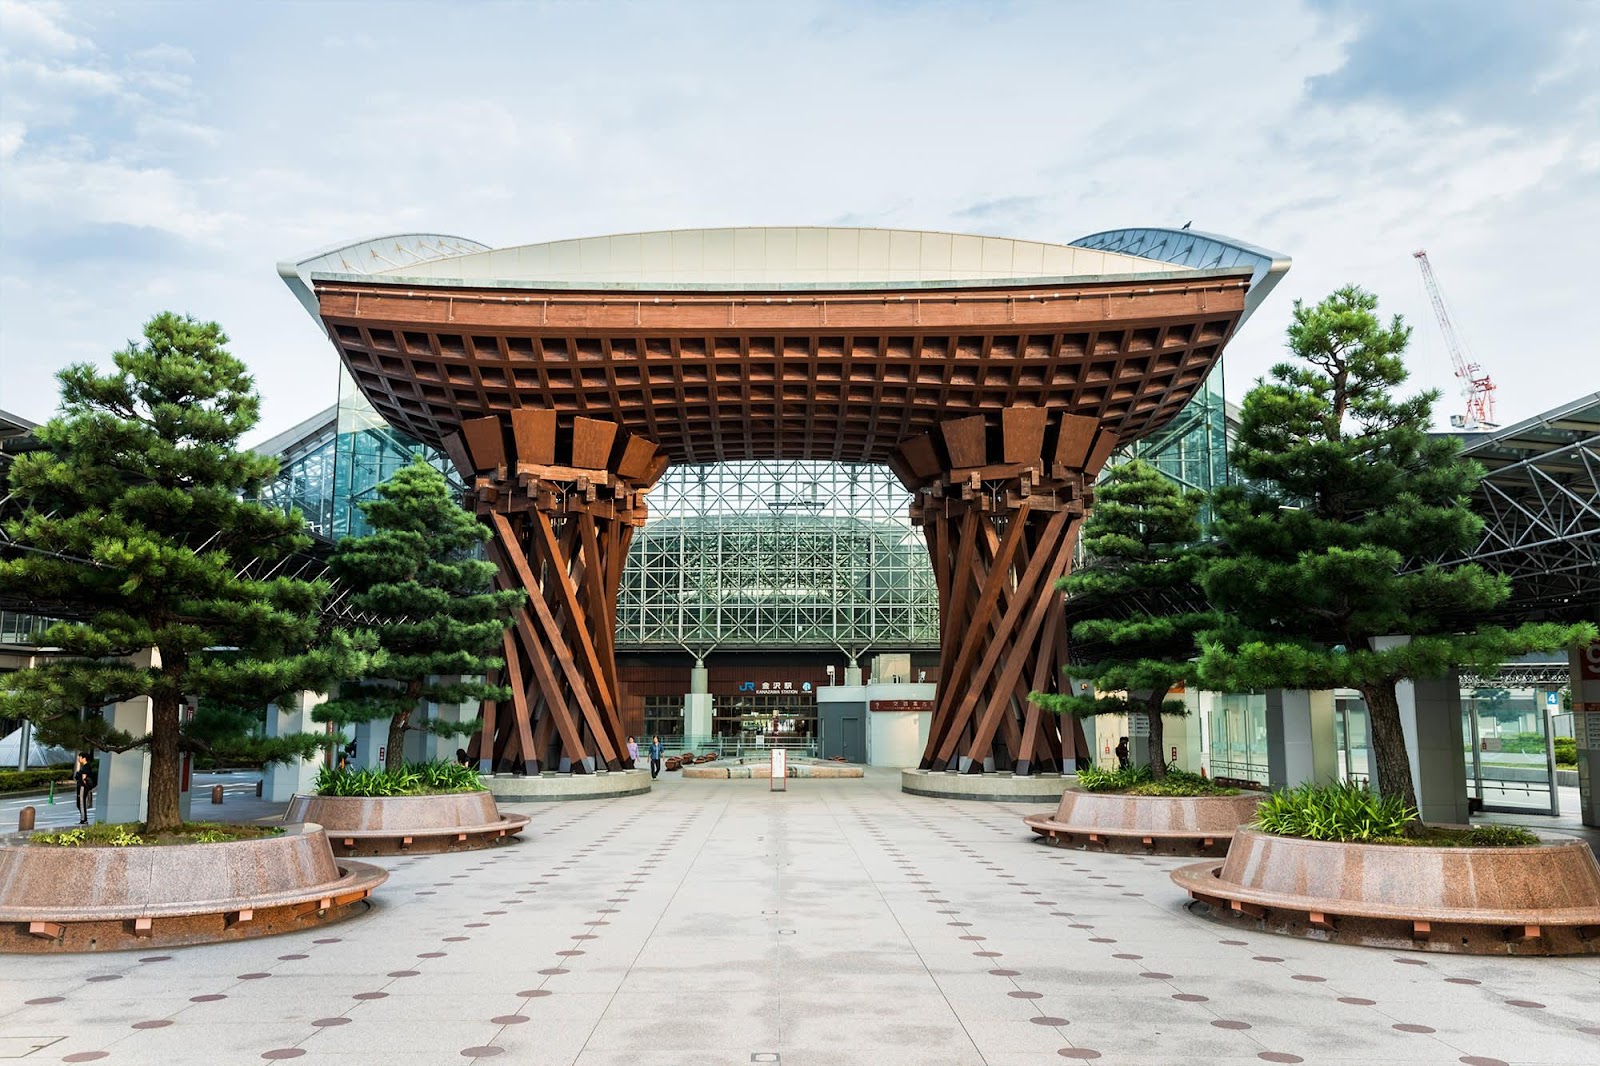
1345	491
1136	606
135	528
438	615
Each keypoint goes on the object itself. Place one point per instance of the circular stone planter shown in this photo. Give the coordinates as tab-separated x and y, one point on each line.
56	898
1538	900
998	787
1168	825
395	825
762	768
556	788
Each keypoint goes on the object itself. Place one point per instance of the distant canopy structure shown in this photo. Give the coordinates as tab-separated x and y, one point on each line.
994	376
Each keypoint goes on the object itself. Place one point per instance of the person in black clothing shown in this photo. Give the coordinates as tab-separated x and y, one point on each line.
1122	754
656	748
84	780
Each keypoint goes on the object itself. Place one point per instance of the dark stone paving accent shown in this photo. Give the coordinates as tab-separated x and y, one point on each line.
1358	1001
323	1023
1078	1053
1046	1019
1228	1023
1408	1027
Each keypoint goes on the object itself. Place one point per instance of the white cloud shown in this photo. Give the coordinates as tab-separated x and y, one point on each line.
37	25
234	135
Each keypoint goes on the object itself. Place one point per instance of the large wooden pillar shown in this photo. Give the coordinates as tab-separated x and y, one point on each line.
1000	507
562	503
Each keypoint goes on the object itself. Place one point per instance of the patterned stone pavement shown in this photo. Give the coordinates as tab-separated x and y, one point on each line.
840	922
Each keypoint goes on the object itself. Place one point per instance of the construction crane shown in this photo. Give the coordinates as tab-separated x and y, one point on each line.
1476	388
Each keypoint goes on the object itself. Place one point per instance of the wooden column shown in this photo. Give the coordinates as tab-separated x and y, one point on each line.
1000	507
562	503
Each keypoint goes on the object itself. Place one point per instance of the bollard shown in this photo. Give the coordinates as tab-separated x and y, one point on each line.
259	783
52	793
25	820
216	793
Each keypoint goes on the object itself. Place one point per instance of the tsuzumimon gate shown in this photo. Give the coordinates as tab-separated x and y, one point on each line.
995	377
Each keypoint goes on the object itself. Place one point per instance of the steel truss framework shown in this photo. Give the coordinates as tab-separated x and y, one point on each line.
1540	500
763	554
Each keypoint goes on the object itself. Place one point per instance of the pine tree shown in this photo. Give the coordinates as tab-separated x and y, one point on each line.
438	616
135	528
1345	492
1134	602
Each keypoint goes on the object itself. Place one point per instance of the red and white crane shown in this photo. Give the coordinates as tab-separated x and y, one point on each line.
1476	388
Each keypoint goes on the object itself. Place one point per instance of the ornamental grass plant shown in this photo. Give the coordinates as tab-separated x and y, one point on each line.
1352	813
1138	781
410	779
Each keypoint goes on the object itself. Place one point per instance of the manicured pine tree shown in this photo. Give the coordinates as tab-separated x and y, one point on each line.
1134	603
135	527
1346	497
436	613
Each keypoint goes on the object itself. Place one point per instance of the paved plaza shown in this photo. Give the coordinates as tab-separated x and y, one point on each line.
840	922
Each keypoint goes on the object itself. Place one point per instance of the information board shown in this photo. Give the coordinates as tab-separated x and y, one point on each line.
779	781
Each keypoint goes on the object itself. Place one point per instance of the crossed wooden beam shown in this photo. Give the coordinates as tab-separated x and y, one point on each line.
1000	507
562	504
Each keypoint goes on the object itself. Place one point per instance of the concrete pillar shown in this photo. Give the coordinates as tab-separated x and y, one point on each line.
372	742
696	706
1301	744
288	717
1430	714
1585	666
852	673
124	776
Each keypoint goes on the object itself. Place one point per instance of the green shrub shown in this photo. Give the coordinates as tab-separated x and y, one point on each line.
1566	752
411	779
135	834
1499	836
28	780
1136	781
1334	812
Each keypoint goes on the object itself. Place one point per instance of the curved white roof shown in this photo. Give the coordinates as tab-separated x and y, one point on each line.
775	255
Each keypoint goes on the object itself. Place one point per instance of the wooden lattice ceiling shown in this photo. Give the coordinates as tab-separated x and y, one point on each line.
843	376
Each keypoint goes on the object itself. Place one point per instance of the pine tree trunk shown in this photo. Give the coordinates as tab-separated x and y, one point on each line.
166	767
397	741
1389	742
1157	746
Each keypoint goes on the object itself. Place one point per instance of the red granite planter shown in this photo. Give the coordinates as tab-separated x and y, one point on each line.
394	825
1540	900
1169	825
55	898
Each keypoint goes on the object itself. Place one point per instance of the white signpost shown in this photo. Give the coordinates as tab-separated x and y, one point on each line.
779	781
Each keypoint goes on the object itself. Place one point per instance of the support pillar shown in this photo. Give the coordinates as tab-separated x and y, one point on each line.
1430	716
1585	665
372	743
697	705
287	717
1000	507
563	501
125	776
1301	743
852	673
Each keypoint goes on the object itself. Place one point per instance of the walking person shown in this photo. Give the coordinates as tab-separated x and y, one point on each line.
656	749
84	780
1122	754
633	753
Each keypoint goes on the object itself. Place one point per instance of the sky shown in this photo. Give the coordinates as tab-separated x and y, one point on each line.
167	156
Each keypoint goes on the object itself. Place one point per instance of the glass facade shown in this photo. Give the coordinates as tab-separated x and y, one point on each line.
1192	449
786	554
1239	736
